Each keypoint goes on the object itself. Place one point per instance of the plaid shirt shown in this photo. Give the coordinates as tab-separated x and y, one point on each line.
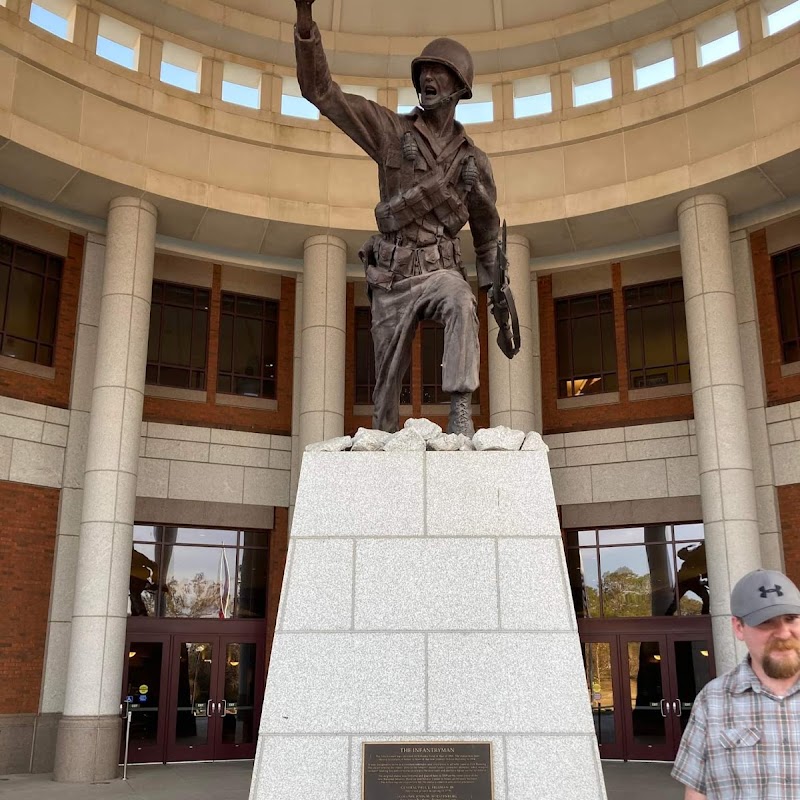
742	742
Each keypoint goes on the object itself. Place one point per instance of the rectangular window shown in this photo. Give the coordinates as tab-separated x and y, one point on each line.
653	64
365	362
54	16
368	92
786	273
181	67
655	323
532	96
248	346
198	573
407	99
30	289
479	108
717	39
241	85
293	104
118	42
649	571
779	14
591	83
176	349
586	349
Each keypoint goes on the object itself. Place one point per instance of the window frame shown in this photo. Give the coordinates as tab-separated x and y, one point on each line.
671	541
47	277
274	322
159	364
239	547
605	374
791	274
673	302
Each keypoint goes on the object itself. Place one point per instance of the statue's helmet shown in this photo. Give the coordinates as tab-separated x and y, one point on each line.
453	55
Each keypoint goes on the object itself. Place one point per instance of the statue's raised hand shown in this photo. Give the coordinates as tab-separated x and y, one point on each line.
304	19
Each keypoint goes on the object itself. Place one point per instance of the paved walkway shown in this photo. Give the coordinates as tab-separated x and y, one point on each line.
231	781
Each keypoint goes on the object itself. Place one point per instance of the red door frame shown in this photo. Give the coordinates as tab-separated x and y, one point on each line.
221	632
667	631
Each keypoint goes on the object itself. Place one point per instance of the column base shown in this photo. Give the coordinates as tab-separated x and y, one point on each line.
87	750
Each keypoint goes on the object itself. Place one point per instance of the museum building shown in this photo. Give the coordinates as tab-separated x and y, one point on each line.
183	310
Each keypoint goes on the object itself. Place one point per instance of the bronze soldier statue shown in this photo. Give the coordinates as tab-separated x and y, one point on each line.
433	180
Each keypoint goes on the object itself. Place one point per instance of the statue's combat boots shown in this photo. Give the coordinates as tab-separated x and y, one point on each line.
461	414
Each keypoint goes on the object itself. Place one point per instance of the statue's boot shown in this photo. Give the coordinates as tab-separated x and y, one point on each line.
461	414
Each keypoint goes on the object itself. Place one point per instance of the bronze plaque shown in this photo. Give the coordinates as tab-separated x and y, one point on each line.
427	771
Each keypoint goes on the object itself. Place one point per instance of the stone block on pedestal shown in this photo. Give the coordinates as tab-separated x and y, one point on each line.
426	599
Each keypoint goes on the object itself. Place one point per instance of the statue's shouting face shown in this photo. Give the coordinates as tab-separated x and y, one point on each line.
437	82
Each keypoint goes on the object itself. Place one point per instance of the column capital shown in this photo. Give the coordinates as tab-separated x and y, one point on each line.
326	239
702	200
133	202
519	240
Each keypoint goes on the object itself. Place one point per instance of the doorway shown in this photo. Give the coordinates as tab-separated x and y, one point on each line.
194	689
643	680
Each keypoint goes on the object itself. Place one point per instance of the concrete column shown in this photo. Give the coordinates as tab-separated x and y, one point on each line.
59	621
512	400
87	749
755	395
723	444
323	339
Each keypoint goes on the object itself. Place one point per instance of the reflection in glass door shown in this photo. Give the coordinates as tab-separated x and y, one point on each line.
646	703
144	691
196	697
237	705
600	666
195	707
692	668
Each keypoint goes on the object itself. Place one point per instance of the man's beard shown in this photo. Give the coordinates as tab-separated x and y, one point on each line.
782	668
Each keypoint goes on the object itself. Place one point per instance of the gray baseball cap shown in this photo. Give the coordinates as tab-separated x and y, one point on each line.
763	594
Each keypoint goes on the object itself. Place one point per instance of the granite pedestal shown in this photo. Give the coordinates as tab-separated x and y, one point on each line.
426	599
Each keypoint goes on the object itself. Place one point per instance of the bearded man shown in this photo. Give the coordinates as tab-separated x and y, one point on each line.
433	180
742	741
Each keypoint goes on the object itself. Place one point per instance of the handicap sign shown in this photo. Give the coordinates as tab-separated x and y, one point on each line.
129	698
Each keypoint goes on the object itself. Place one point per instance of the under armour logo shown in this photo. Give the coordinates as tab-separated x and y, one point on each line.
765	591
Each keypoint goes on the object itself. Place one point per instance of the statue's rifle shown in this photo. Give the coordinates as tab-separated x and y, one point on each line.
503	307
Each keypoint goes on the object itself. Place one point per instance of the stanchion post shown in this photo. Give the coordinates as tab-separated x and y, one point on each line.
127	742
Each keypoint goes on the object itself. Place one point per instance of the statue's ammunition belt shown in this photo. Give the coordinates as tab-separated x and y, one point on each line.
431	195
389	262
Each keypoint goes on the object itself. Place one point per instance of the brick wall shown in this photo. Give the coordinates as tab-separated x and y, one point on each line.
27	540
214	415
352	421
779	389
789	507
611	415
54	391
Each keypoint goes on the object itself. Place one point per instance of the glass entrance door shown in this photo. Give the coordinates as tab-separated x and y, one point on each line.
145	681
645	697
216	695
194	697
642	687
692	667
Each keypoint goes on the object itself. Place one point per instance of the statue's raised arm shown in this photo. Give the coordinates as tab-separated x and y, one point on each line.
304	17
433	180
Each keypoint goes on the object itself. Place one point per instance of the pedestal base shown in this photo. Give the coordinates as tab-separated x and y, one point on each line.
426	599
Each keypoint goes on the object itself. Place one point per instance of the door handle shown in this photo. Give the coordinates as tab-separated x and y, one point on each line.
223	707
664	707
210	708
676	707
